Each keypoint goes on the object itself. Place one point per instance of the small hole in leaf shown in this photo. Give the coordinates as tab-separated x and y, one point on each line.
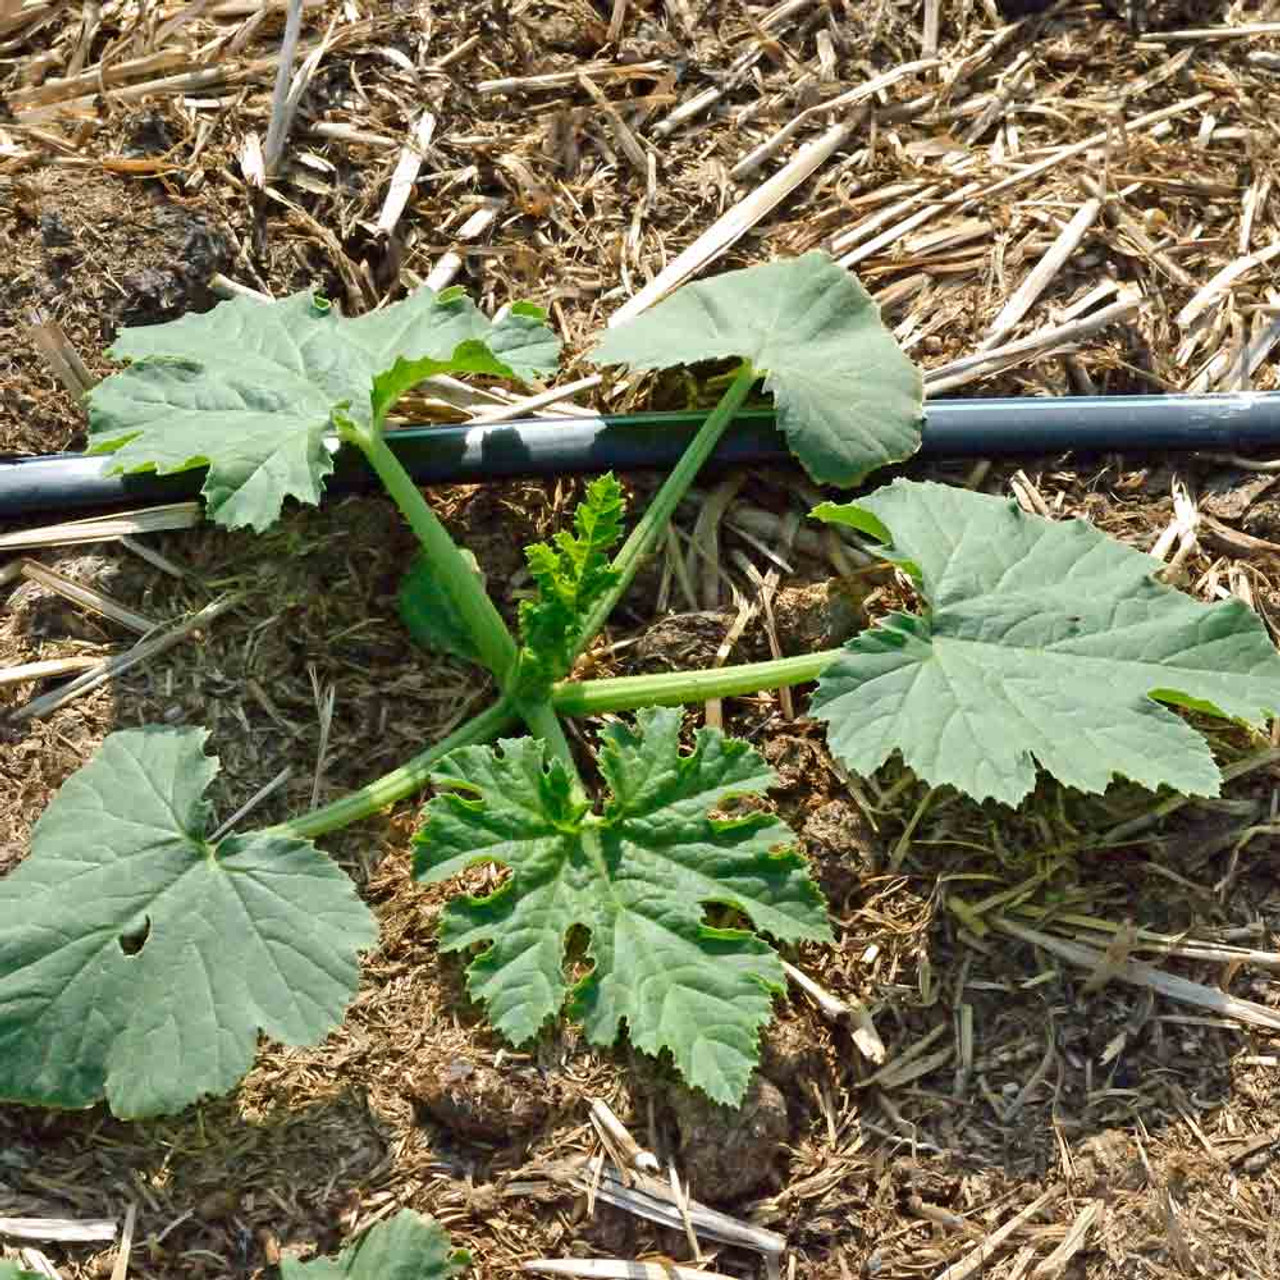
133	940
575	962
484	879
719	915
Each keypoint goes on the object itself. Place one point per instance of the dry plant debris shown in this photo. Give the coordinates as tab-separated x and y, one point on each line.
1040	206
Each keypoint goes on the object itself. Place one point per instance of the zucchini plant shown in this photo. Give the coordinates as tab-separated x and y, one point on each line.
139	959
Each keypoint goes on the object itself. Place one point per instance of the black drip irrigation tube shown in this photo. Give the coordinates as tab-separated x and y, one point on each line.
1232	422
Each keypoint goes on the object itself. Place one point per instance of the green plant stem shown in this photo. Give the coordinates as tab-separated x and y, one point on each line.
498	650
647	532
544	723
672	688
400	783
573	698
494	644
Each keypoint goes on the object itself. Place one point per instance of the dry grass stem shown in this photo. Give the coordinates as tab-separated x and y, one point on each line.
1144	975
62	1230
527	405
769	25
567	79
1042	274
1057	1262
262	793
62	358
651	1198
283	102
735	223
121	1268
87	597
1218	286
1240	31
108	669
623	1149
619	1269
406	174
1043	207
45	669
177	515
976	1260
970	368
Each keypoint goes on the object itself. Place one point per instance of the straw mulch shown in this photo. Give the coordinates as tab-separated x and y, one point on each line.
1064	203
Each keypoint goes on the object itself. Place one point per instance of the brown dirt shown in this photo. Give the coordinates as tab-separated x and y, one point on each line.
92	256
1168	1118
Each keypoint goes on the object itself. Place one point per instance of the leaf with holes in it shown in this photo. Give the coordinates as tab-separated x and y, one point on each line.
637	879
138	962
1043	642
255	390
847	398
408	1247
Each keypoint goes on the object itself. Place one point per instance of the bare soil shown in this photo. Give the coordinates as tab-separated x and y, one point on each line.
1030	1082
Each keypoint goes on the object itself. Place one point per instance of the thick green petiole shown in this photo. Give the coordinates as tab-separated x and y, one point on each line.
493	641
544	723
672	688
498	650
400	783
645	535
572	698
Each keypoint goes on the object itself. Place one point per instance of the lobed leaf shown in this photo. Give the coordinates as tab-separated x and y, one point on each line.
138	962
407	1247
847	398
638	879
571	574
1042	642
255	389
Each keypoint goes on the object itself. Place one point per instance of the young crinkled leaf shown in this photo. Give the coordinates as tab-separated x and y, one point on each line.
638	879
571	574
139	962
846	396
1043	642
408	1247
255	389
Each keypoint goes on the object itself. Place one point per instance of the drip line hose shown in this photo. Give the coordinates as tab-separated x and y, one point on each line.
1233	422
